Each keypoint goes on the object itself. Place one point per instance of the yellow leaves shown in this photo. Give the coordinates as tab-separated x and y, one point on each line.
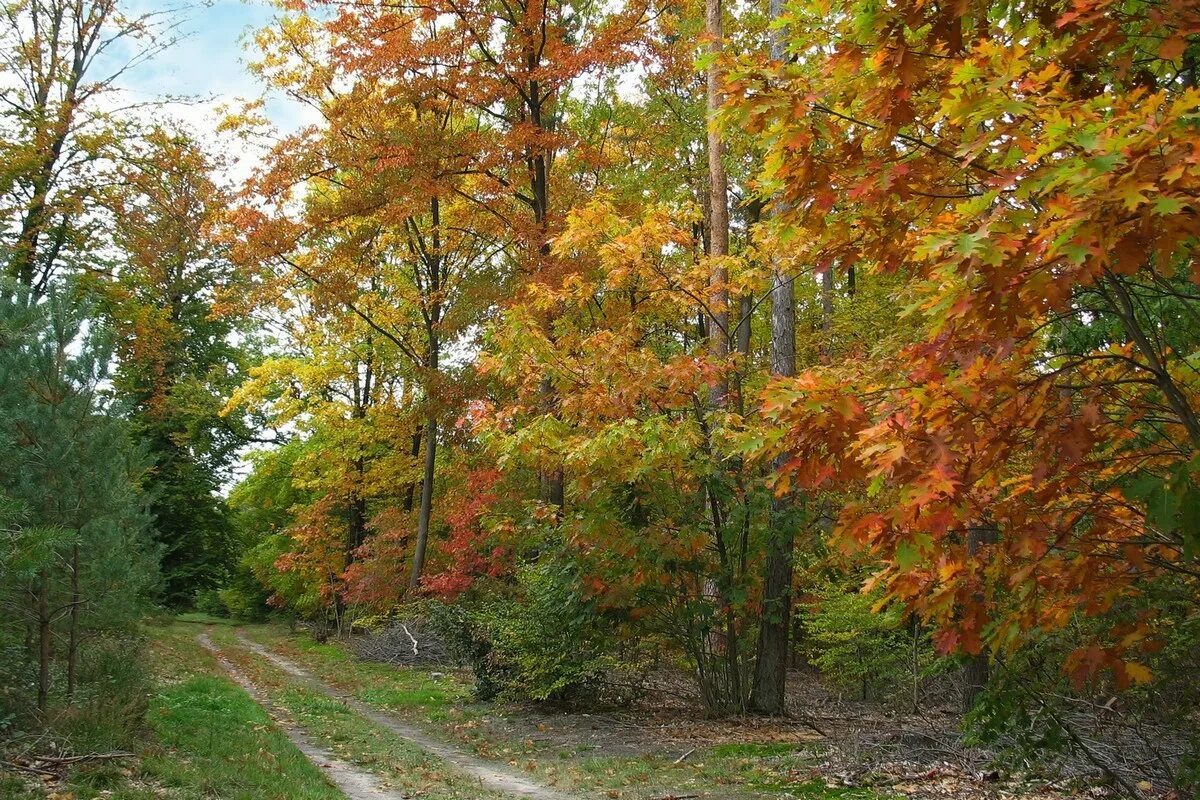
586	226
1139	674
1048	73
949	569
883	457
1133	194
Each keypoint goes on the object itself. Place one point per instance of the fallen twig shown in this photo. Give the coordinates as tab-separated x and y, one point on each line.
76	759
33	770
408	633
683	757
807	721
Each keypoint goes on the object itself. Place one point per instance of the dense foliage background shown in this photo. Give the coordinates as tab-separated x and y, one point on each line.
826	340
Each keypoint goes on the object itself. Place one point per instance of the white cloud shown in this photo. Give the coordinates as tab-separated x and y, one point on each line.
205	71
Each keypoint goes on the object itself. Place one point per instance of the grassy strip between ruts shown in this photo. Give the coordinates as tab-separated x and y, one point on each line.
442	705
350	737
207	741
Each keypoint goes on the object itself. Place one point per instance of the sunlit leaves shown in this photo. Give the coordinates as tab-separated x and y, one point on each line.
1025	178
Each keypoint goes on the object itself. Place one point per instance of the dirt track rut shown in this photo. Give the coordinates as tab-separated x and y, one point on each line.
487	774
355	783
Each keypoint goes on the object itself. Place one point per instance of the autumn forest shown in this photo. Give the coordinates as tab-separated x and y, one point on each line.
812	386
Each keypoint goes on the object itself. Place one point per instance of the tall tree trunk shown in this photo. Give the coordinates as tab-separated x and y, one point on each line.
339	606
742	343
976	671
718	188
743	330
827	302
44	644
553	482
720	335
418	564
356	518
745	311
770	666
410	489
73	634
771	662
433	332
356	512
553	491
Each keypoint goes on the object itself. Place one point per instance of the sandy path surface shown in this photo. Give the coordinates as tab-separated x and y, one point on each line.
355	783
487	774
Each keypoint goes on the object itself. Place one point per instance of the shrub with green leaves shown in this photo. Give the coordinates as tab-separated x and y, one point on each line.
854	645
1035	713
542	642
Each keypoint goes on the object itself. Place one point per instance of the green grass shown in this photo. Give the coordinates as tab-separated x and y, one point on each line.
407	691
752	749
13	788
217	742
760	769
200	618
332	724
710	774
212	742
205	739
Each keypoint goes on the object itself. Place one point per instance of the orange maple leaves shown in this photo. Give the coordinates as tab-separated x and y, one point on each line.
1035	210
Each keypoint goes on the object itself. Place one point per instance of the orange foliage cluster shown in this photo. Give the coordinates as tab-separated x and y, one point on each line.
1023	174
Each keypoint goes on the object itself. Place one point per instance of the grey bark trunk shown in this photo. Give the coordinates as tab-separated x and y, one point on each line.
770	666
718	199
976	670
827	300
410	489
745	311
426	512
432	322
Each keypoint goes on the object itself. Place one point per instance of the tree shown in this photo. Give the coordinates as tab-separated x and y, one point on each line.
1024	178
771	659
510	69
179	359
387	232
644	467
57	131
77	563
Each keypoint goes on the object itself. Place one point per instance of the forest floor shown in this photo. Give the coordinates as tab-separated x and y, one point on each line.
258	713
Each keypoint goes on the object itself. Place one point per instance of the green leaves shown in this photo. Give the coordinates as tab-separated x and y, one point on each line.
1172	504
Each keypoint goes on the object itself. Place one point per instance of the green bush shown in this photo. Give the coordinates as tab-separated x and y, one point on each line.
468	643
109	708
208	601
1034	713
243	603
854	646
543	642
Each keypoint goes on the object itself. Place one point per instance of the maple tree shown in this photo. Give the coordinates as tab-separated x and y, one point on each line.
1032	177
770	673
385	253
510	68
634	373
